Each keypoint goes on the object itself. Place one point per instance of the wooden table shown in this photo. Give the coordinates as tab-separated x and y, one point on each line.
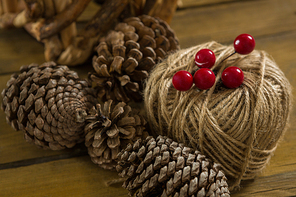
28	171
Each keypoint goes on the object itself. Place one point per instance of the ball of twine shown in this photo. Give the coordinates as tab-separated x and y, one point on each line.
238	128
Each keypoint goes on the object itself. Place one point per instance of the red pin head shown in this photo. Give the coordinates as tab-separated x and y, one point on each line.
182	80
232	77
205	58
204	78
244	44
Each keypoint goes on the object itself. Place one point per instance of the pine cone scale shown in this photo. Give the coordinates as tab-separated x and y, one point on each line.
113	142
110	129
38	134
126	56
162	167
99	135
36	103
113	132
30	128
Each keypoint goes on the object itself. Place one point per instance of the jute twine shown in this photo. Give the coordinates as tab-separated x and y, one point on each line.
238	128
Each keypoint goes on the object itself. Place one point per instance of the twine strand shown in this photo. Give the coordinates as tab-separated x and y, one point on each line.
238	128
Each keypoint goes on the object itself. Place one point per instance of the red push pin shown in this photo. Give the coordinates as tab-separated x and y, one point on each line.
232	77
243	44
182	80
205	58
204	78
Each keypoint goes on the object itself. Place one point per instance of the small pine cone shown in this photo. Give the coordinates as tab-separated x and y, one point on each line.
126	56
48	103
163	168
110	128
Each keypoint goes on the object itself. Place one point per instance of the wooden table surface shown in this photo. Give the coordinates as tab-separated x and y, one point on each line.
28	171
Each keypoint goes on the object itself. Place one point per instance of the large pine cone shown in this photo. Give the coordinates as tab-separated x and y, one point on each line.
126	56
163	167
48	103
110	128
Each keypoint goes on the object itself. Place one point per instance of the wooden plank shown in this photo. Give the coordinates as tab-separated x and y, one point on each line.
93	7
186	4
282	47
271	22
224	22
16	151
17	48
79	177
70	177
282	184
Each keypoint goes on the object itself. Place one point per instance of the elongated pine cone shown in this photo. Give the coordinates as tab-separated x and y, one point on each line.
126	56
163	167
48	103
110	128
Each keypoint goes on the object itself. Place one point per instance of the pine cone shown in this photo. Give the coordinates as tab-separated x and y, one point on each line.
48	103
163	167
109	130
126	56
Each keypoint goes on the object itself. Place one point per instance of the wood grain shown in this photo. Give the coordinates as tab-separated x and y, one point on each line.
223	22
29	171
17	48
276	185
191	4
71	177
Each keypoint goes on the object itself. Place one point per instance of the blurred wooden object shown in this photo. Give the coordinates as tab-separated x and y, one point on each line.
53	22
28	171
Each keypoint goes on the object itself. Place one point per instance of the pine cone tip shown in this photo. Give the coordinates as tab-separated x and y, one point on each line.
111	127
48	102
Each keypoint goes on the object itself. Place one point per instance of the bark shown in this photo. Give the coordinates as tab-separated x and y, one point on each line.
69	33
55	24
34	8
82	47
104	18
